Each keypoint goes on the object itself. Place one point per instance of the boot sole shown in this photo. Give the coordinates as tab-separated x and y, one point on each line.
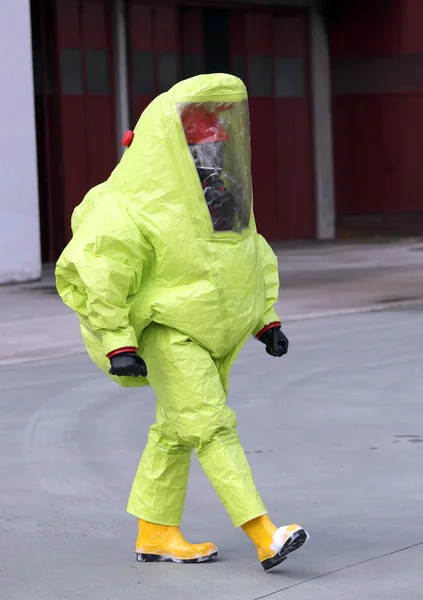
141	557
295	542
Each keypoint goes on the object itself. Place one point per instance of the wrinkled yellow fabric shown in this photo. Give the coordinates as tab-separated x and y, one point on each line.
191	415
145	268
144	250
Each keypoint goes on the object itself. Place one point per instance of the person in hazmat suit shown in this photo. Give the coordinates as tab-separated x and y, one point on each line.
169	278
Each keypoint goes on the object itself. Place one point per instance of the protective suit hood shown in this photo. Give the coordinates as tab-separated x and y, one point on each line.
159	135
157	164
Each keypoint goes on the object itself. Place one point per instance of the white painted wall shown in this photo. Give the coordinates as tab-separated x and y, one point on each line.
322	128
19	219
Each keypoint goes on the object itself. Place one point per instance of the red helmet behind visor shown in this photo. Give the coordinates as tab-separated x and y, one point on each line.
201	125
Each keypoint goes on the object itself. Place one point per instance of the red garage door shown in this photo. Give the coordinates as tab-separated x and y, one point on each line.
75	108
86	96
377	53
277	77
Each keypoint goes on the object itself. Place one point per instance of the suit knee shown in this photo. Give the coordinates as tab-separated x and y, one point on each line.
201	428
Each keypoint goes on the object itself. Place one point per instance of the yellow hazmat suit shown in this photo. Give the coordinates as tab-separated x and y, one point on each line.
147	269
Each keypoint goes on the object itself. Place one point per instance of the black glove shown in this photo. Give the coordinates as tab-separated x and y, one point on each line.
128	364
276	342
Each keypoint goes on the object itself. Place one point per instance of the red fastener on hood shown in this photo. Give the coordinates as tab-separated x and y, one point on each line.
127	138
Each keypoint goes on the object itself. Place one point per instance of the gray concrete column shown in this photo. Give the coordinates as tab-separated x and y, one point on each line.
122	84
322	128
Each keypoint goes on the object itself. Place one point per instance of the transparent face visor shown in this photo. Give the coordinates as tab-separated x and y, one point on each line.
218	137
208	157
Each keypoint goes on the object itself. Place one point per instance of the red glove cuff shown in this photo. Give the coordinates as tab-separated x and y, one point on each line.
270	326
121	351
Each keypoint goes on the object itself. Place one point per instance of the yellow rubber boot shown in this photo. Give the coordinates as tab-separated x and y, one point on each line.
272	544
165	543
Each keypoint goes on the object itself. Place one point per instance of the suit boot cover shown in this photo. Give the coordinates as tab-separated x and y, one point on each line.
164	543
272	544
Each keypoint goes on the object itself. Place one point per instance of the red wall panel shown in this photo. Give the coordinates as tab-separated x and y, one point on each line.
74	159
52	221
281	131
191	31
290	36
141	39
166	28
377	110
140	24
264	166
68	30
72	115
100	124
258	33
88	145
359	162
403	144
237	34
365	28
100	140
294	173
258	36
95	24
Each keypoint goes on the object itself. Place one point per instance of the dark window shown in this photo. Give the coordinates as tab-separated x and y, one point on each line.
168	70
216	40
260	76
190	65
379	75
289	77
98	78
71	66
239	66
143	74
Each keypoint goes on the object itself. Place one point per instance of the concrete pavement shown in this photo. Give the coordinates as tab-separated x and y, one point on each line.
334	434
317	279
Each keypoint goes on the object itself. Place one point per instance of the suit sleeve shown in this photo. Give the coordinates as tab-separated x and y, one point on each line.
269	263
100	269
